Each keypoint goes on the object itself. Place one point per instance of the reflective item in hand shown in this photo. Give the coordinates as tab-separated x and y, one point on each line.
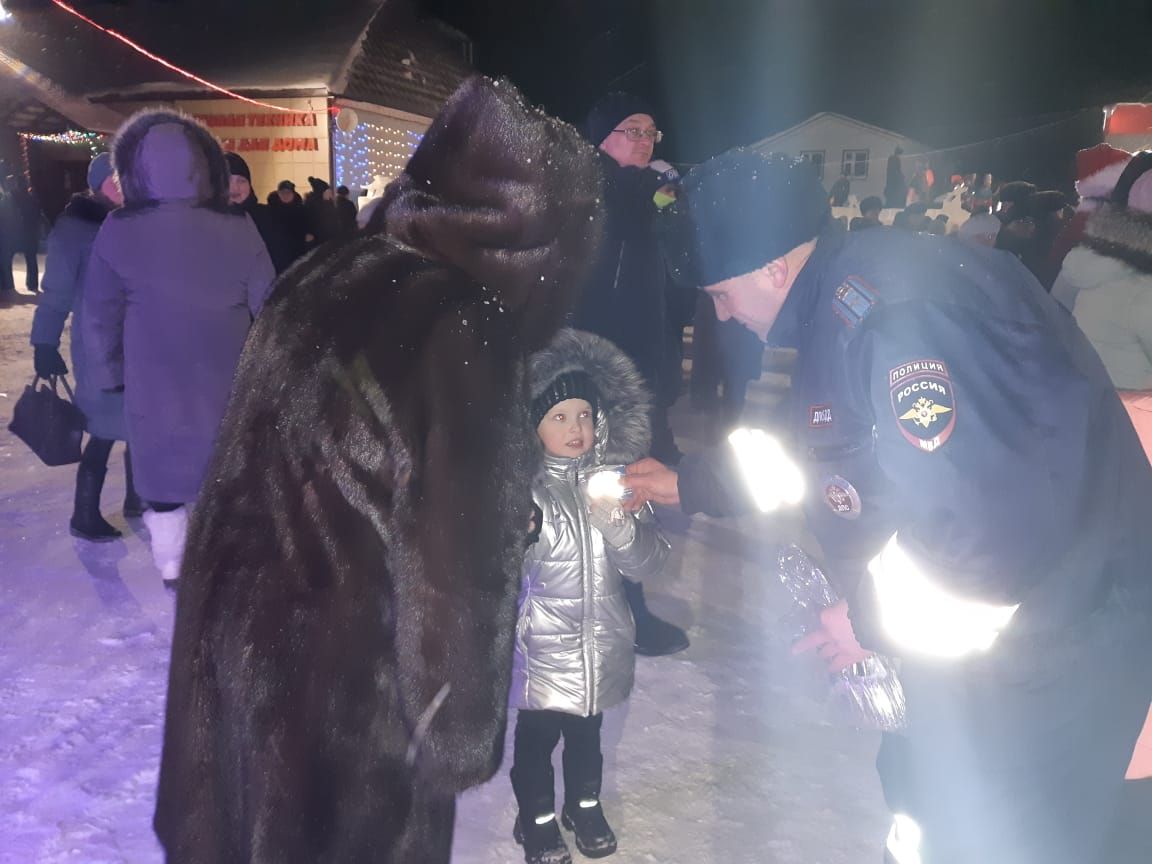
608	483
868	694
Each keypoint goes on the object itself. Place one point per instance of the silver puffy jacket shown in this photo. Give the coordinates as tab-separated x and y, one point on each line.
575	634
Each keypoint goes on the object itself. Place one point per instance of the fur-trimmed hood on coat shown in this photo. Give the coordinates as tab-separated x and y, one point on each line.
623	428
514	205
1121	233
163	155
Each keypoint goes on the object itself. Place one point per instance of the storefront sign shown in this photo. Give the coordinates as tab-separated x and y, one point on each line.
269	145
232	121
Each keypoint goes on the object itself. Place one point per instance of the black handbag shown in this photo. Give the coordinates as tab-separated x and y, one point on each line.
49	424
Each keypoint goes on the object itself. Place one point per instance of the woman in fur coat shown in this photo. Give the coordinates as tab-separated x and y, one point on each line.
343	640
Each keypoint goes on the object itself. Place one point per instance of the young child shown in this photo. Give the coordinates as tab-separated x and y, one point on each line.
575	634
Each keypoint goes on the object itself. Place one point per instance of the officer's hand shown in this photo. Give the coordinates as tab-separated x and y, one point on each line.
653	481
835	640
47	361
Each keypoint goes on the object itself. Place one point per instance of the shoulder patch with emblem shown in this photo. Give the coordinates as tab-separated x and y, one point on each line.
924	402
853	300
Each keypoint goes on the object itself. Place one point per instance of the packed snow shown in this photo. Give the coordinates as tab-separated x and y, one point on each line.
725	753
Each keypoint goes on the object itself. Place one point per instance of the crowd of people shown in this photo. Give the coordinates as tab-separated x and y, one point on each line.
447	453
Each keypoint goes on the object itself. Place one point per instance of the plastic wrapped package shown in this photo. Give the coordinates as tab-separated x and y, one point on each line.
867	695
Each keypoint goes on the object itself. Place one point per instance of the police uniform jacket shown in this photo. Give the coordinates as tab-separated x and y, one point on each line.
940	393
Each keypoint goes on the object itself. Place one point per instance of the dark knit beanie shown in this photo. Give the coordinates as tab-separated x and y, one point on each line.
746	208
237	167
568	385
318	185
607	114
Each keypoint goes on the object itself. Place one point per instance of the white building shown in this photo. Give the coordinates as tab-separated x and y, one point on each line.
837	144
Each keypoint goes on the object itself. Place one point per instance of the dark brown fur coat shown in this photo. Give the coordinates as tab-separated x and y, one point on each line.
343	639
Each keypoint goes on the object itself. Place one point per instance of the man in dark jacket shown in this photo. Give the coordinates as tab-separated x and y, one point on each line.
629	298
25	222
344	639
895	186
346	213
321	213
287	207
982	503
242	198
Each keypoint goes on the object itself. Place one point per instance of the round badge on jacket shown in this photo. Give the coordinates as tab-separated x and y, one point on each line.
841	497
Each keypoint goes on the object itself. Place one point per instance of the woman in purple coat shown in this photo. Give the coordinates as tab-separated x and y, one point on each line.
173	284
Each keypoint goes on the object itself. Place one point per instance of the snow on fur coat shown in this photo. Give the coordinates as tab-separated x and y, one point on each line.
343	640
575	634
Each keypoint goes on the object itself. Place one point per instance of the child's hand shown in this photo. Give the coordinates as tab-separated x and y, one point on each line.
608	517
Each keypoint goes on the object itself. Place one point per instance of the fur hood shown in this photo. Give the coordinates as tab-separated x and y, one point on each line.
501	191
1121	233
623	428
163	155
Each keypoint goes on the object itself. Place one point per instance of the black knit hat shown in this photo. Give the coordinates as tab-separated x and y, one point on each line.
609	111
574	384
746	208
237	167
318	185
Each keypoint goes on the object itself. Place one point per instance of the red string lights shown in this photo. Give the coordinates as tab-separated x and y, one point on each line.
166	64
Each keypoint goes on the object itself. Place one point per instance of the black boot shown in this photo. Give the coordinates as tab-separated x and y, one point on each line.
87	523
536	829
583	774
594	837
655	637
134	505
543	844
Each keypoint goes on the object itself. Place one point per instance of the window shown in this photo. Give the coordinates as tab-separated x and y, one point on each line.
855	163
816	157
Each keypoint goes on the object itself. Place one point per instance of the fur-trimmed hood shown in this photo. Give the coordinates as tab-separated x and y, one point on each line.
163	155
1121	233
623	428
501	191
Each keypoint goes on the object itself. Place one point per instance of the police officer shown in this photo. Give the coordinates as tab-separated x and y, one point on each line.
982	502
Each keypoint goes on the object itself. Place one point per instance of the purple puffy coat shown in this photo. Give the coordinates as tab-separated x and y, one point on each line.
172	286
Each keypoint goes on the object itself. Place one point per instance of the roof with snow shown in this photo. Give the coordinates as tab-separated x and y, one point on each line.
368	50
825	117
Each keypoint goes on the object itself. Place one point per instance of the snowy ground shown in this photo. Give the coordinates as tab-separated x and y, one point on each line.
725	753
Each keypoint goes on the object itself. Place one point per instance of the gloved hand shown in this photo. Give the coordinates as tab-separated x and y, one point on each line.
47	361
608	517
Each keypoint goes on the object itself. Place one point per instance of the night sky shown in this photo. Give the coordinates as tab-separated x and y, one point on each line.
729	72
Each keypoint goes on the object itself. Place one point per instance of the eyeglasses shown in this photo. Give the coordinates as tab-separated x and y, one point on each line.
634	134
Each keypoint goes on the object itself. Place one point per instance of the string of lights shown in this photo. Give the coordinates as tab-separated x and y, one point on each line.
165	63
94	141
371	149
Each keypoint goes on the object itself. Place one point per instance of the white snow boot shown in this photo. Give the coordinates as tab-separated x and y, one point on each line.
168	531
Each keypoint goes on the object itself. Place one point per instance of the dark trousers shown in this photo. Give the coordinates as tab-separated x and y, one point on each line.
537	734
1019	754
31	265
